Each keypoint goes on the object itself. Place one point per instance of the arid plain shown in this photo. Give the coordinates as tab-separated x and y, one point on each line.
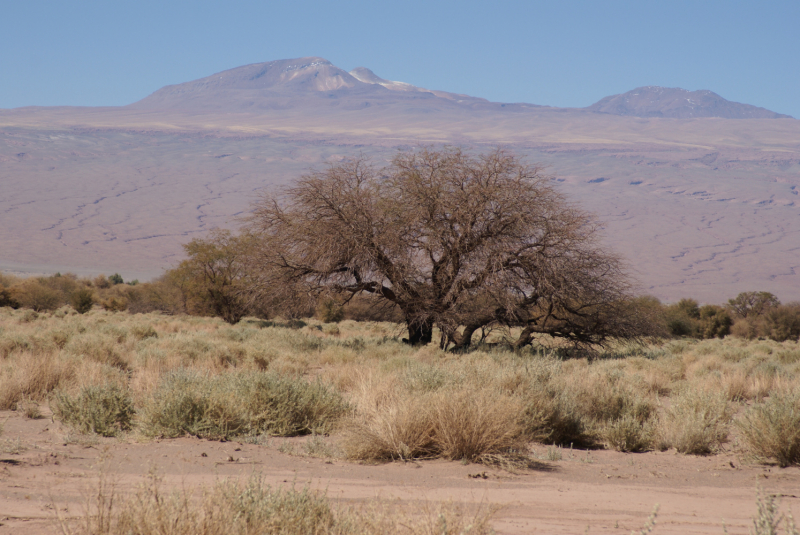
703	207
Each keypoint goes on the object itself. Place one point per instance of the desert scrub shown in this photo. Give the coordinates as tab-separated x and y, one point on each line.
469	425
696	422
554	418
388	425
629	434
104	345
455	423
32	376
251	507
101	409
287	406
611	401
238	403
587	405
769	518
771	430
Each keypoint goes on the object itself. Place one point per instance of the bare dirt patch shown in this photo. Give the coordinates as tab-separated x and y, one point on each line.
44	465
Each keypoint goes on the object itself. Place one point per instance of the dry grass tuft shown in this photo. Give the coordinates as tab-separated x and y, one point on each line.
32	376
468	424
30	409
452	423
234	507
696	422
771	430
388	425
630	434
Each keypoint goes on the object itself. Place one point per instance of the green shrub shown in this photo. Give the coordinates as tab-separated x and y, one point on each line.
769	518
82	300
688	318
584	410
682	318
629	433
7	300
114	304
105	410
330	311
771	429
236	404
783	322
779	323
696	422
183	405
715	322
115	279
143	332
286	406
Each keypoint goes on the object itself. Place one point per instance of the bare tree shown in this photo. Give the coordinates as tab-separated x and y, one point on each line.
455	241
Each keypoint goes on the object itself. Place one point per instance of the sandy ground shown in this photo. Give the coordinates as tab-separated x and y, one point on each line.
43	467
704	211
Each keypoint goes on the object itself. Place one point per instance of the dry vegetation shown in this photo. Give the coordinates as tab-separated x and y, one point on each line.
154	375
246	507
166	376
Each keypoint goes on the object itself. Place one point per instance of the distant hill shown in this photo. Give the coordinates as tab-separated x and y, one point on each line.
314	82
291	83
677	103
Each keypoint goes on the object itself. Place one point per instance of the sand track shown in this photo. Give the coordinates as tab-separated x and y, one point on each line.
607	491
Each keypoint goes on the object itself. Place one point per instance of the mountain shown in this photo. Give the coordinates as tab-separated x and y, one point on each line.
289	83
314	82
255	86
367	76
676	103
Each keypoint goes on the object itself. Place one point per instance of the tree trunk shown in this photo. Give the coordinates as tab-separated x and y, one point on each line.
420	333
464	339
525	338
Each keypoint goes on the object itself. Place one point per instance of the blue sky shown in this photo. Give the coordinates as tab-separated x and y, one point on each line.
561	53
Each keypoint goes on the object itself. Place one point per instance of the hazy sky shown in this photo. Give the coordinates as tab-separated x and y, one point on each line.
561	53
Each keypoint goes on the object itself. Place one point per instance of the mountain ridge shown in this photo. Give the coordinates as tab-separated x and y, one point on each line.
314	81
678	103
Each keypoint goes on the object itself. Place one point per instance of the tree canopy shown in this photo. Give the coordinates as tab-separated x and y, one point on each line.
454	240
750	304
211	279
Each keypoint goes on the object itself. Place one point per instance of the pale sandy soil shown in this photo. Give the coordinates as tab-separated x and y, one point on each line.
607	491
697	208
